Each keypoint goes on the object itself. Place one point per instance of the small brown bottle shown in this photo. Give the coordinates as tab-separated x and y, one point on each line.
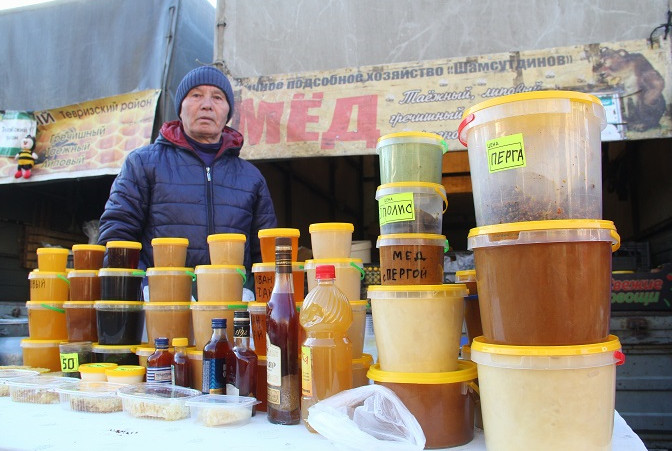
158	363
214	359
241	368
180	363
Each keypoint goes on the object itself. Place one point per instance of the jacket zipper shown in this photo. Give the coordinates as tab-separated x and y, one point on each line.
209	201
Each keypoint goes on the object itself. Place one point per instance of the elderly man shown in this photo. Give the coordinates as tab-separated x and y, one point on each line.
191	182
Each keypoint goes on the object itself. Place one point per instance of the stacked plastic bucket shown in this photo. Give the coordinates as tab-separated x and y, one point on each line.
416	317
546	361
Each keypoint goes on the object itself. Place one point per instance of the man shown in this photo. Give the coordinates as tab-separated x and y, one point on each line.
191	182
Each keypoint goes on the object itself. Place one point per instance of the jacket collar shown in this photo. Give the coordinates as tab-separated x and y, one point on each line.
173	132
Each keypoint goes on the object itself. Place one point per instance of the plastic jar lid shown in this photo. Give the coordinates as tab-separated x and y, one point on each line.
364	360
124	244
533	95
336	262
331	227
170	242
359	305
96	368
32	343
88	247
417	239
82	273
36	274
256	307
56	306
169	271
543	232
213	269
167	305
118	305
52	250
194	354
78	304
114	349
226	237
75	346
411	137
125	370
120	272
435	292
217	305
466	275
270	267
416	187
466	372
547	357
270	233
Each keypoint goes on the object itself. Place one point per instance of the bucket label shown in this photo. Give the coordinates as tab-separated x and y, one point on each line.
506	152
396	208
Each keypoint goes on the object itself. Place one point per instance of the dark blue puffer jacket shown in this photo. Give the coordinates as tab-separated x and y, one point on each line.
165	190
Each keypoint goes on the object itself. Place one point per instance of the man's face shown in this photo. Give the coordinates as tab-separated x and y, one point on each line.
204	113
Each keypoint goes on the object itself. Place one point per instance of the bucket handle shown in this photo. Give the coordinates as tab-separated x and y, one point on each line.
616	240
620	358
443	197
51	307
463	124
361	270
242	274
138	272
474	387
446	246
193	276
63	278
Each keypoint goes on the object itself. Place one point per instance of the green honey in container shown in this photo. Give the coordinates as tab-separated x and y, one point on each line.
411	157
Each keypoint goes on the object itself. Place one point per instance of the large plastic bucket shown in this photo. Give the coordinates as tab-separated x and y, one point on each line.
411	157
547	397
544	283
418	327
535	156
411	207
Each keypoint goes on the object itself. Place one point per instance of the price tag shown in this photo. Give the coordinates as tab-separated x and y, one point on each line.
69	362
507	152
395	208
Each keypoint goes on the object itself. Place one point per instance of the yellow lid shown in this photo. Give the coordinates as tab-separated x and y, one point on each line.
88	247
533	95
226	237
201	269
426	135
56	306
96	367
336	262
52	250
117	272
194	354
217	305
270	233
118	305
125	370
479	344
166	305
36	274
82	273
124	244
32	343
170	242
184	342
466	372
331	227
169	271
395	239
114	349
78	304
270	267
436	292
466	275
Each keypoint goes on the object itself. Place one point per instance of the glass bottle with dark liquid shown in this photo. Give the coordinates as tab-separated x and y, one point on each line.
214	359
282	347
241	367
181	362
158	363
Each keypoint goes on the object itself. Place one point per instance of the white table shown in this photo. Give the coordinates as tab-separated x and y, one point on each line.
52	427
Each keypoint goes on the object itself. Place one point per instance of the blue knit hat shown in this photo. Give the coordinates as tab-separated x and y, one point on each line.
204	75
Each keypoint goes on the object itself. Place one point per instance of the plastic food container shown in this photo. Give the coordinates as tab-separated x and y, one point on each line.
126	374
472	311
120	284
262	394
219	283
195	357
362	250
258	326
267	241
80	320
95	372
119	322
443	403
227	248
48	286
553	397
156	400
53	259
264	279
411	157
202	314
72	355
10	373
168	319
36	389
411	207
221	410
170	284
119	354
88	256
331	239
411	258
406	315
123	254
349	275
357	327
549	282
360	367
46	320
535	156
84	285
41	353
170	252
88	396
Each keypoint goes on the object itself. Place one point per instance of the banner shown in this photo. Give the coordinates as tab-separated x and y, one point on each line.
88	139
345	111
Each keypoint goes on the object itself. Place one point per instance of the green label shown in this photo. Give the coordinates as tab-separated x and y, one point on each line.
396	208
69	362
507	152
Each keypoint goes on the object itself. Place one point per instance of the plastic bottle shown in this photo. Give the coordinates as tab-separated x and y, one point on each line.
159	362
326	353
180	364
214	359
282	342
241	368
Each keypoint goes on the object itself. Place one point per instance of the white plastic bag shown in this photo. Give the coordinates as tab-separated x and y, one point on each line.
371	417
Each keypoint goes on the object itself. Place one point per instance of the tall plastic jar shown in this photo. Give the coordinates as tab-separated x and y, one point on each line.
331	239
411	258
227	248
553	397
411	157
267	242
220	283
349	275
411	207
